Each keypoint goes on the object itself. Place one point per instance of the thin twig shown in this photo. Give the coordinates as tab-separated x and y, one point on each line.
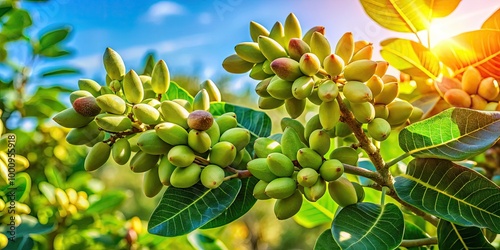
419	242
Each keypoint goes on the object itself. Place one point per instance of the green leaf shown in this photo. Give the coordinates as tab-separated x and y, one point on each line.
313	214
242	204
60	71
326	242
257	122
54	176
176	92
441	8
53	37
21	243
454	134
48	190
31	225
451	192
493	22
478	48
4	9
109	201
54	51
368	226
21	187
413	232
149	64
451	236
410	57
182	210
203	242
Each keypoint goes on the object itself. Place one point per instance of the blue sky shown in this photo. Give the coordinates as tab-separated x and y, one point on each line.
194	37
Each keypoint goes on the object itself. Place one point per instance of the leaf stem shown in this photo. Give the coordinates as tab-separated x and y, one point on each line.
396	160
382	198
419	242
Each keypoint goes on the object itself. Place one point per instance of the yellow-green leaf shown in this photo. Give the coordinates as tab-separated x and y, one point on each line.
410	57
478	48
493	22
441	8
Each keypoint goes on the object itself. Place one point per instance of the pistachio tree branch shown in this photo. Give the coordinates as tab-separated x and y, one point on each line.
419	242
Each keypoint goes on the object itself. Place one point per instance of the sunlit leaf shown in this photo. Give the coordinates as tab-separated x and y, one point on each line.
454	134
441	8
60	71
313	214
182	210
176	92
241	205
53	37
368	226
451	192
493	22
203	242
109	201
478	48
398	15
326	242
20	187
410	57
427	102
451	236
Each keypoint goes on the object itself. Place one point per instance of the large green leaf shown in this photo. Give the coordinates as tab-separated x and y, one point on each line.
451	236
52	37
204	242
368	226
454	134
441	8
313	214
478	48
21	243
410	57
451	192
241	205
493	22
176	92
31	225
109	201
21	187
182	210
326	242
413	232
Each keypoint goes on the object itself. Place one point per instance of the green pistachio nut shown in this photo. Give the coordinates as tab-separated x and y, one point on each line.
270	102
146	114
214	133
314	98
389	78
270	48
115	86
320	46
86	106
91	86
291	143
289	122
292	27
381	111
165	170
259	190
309	158
286	68
99	138
148	90
345	47
280	165
399	112
388	94
160	78
264	146
312	124
342	130
113	123
288	207
365	53
357	92
181	156
132	139
302	87
308	35
212	176
234	64
361	70
297	48
375	84
259	168
112	104
106	90
316	191
418	113
280	89
250	52
261	87
201	100
342	192
363	112
152	144
360	191
199	141
172	133
319	141
309	64
328	91
333	65
281	188
98	155
379	129
175	113
239	137
295	107
133	87
186	177
329	114
331	170
258	73
113	63
152	184
121	151
277	33
77	94
69	118
238	158
245	159
257	30
212	89
83	135
266	67
222	154
345	155
382	67
226	122
307	177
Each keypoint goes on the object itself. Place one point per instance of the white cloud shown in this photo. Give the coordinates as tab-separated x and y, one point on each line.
158	11
205	18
